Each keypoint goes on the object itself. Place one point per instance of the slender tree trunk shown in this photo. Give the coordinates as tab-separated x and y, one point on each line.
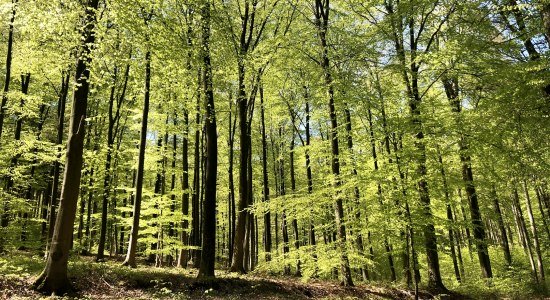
322	9
9	54
293	190
309	176
54	278
282	192
267	214
449	216
536	242
25	81
387	245
543	215
107	178
503	236
231	198
410	78
132	244
524	234
195	200
451	89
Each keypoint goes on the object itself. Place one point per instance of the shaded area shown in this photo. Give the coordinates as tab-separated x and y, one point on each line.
109	280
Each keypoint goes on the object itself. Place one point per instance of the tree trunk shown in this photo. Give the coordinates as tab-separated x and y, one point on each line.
536	242
208	255
267	214
522	230
107	178
231	197
503	236
9	53
309	176
61	103
132	244
183	254
322	9
25	81
293	190
410	78
237	264
452	91
195	200
387	246
54	278
544	216
449	215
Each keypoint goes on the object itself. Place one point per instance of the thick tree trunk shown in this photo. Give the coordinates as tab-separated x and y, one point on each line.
54	278
61	103
208	256
238	264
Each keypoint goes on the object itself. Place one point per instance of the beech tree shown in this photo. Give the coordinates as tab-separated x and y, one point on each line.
54	278
208	134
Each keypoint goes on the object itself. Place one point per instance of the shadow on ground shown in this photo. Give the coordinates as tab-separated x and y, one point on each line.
109	280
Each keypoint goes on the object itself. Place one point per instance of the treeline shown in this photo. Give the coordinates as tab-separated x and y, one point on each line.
387	140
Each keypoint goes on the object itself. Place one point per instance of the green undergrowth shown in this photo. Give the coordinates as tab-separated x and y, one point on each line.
109	280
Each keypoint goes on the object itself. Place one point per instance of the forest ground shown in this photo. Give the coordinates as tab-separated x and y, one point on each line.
109	280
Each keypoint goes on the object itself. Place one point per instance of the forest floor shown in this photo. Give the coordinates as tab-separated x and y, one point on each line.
109	280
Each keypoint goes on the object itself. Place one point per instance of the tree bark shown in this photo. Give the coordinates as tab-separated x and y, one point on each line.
132	244
9	54
267	214
410	78
522	230
107	178
387	245
208	255
503	236
195	199
322	9
54	278
452	91
536	242
449	216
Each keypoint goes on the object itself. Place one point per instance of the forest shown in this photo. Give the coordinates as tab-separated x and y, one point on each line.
275	149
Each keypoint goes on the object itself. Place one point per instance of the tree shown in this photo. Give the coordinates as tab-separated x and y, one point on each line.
132	244
321	12
54	277
208	251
